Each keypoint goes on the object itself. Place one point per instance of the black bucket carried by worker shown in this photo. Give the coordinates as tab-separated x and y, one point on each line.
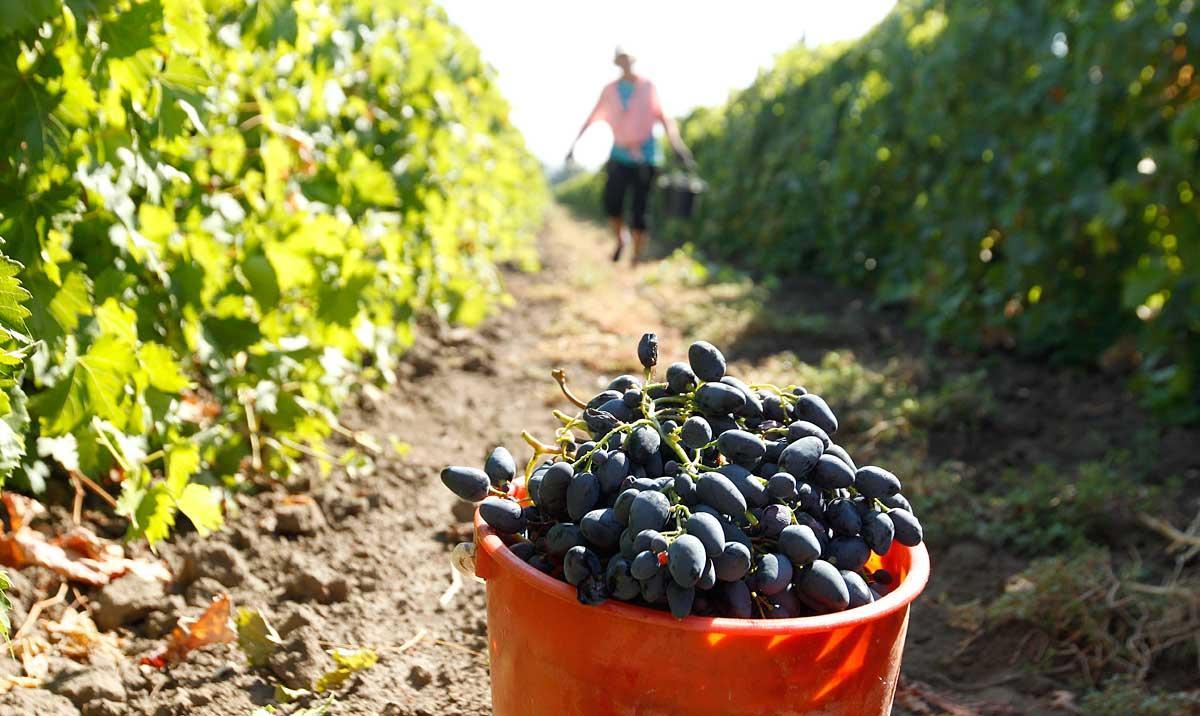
680	193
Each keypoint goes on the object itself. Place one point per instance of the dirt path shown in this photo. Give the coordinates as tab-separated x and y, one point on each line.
366	563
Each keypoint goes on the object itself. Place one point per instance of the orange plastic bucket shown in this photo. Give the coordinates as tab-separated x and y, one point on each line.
552	656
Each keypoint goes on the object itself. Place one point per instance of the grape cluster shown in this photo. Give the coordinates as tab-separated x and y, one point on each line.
699	493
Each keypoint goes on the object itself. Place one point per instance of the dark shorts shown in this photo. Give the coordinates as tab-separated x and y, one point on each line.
625	178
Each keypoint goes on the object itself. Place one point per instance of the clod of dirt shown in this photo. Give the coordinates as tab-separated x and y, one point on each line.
299	616
104	708
25	702
301	659
216	560
126	600
163	619
313	581
203	591
341	507
85	684
419	676
293	519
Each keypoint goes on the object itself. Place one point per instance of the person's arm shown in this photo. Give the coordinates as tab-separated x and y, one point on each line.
673	136
597	111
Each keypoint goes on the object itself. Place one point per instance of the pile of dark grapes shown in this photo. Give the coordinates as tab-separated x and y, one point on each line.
701	493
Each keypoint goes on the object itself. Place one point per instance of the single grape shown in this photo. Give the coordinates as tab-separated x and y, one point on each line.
603	397
876	482
614	469
504	516
622	504
620	582
680	600
883	576
680	378
632	399
738	601
718	399
655	467
814	409
601	528
842	517
741	446
774	518
733	533
643	443
753	489
685	560
623	383
654	589
649	511
772	573
800	544
858	590
706	361
774	450
800	457
752	406
579	563
500	467
626	543
783	605
766	470
652	540
804	429
644	565
878	531
848	552
708	530
897	502
733	563
601	423
553	489
831	473
809	499
469	483
819	528
782	486
647	350
685	488
822	587
840	453
708	578
619	410
908	528
773	407
695	432
562	537
717	490
522	550
541	564
583	493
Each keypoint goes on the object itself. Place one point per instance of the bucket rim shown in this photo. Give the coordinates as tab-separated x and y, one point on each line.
898	599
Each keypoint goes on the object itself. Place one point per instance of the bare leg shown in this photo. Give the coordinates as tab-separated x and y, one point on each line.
618	228
640	240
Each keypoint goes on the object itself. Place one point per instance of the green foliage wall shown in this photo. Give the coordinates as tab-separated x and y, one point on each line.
1020	173
227	215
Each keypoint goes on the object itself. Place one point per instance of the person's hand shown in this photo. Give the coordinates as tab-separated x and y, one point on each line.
690	162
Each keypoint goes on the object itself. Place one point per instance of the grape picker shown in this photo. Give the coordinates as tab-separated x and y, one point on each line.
630	106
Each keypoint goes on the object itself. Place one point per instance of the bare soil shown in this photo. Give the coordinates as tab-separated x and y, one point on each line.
366	562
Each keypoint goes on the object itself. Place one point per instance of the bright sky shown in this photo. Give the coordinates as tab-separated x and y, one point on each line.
554	57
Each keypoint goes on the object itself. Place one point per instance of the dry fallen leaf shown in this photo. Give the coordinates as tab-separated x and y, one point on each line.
78	555
212	627
76	636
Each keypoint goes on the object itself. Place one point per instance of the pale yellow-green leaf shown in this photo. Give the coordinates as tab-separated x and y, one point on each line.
163	371
256	637
183	460
202	505
349	661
